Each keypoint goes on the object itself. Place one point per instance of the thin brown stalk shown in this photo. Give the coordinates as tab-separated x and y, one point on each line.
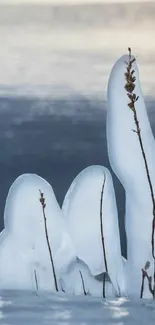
102	237
36	280
42	201
149	278
83	285
104	283
130	86
142	285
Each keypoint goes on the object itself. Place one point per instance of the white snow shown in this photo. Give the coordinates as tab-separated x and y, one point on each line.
23	245
81	209
20	307
128	164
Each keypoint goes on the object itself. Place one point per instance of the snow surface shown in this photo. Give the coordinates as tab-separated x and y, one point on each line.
23	245
18	307
127	162
81	209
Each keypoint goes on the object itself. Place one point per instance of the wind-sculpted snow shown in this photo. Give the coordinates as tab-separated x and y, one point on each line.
24	254
127	162
81	209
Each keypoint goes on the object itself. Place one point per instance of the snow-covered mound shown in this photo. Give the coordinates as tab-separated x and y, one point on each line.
127	162
81	209
24	254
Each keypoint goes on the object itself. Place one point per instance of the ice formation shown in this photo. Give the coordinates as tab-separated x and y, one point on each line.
81	209
128	164
24	255
78	280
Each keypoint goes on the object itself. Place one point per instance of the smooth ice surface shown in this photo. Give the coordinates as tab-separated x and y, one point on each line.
128	164
23	245
81	209
20	307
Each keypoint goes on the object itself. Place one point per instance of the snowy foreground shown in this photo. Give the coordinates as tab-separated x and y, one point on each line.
18	307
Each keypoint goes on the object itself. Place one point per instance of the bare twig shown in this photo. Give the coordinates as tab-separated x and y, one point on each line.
42	201
142	285
102	237
104	283
149	278
84	290
130	86
36	280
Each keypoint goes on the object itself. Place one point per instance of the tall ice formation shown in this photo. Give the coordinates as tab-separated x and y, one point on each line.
128	164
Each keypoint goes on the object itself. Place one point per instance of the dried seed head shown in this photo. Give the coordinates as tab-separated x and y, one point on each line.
131	105
130	81
147	265
129	49
130	87
42	199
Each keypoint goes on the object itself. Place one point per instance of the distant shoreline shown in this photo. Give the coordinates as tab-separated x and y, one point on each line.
104	14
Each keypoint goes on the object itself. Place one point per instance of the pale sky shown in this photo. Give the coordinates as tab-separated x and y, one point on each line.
35	58
66	1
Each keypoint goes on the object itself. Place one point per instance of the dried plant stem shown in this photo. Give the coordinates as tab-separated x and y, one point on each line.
149	278
142	286
102	237
104	282
130	86
36	280
83	285
42	200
